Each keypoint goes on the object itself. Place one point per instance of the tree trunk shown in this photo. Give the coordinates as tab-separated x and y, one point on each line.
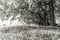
52	12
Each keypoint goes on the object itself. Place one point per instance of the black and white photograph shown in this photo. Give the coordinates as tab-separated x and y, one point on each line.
29	19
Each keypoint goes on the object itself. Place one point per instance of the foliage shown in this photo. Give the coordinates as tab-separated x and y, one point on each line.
30	11
11	9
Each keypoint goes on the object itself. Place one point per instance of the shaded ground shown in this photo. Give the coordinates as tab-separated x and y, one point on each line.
30	33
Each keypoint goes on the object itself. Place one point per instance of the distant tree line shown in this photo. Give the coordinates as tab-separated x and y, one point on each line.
40	12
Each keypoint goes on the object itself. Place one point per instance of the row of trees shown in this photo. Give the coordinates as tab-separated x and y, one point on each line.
31	11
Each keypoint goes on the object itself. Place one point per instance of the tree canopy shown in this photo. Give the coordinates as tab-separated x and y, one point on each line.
30	11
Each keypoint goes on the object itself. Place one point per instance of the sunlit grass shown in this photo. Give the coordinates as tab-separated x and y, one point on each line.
32	35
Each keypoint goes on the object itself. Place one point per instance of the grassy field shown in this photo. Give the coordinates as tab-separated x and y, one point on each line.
30	33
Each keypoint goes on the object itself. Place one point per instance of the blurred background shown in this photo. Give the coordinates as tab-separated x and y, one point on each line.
29	12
